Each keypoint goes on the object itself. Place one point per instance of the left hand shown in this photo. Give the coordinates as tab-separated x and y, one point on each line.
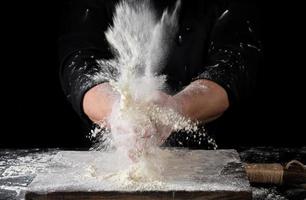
166	101
154	134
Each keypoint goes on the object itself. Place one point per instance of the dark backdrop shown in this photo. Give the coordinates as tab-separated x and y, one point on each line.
35	112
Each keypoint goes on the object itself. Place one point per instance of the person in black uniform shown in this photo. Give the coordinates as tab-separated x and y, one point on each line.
216	47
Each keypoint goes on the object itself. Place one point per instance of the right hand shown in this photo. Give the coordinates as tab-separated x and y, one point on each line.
98	102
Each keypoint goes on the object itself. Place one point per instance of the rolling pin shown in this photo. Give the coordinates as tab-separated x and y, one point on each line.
292	173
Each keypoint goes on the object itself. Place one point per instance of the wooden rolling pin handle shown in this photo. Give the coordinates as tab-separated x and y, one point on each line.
293	172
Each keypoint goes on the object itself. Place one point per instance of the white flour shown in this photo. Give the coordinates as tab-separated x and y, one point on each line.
16	172
140	42
144	174
104	171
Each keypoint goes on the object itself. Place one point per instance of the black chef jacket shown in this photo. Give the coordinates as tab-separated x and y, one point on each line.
217	40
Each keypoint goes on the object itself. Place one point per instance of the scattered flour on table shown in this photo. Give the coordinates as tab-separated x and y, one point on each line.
17	171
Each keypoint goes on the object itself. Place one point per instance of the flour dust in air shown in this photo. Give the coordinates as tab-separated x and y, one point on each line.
140	42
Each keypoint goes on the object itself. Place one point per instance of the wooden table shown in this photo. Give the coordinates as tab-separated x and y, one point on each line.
190	174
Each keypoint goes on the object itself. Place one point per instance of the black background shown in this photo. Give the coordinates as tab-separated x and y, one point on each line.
35	112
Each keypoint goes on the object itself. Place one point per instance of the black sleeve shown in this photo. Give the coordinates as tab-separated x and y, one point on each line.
235	52
81	43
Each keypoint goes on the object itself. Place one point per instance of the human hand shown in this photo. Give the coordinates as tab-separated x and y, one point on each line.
154	133
165	102
98	102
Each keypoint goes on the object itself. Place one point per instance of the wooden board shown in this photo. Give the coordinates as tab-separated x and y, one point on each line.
190	174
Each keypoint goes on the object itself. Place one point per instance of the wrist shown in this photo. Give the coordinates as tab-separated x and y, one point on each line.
181	104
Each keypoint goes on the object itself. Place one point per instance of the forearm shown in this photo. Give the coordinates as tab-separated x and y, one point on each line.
202	100
98	102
